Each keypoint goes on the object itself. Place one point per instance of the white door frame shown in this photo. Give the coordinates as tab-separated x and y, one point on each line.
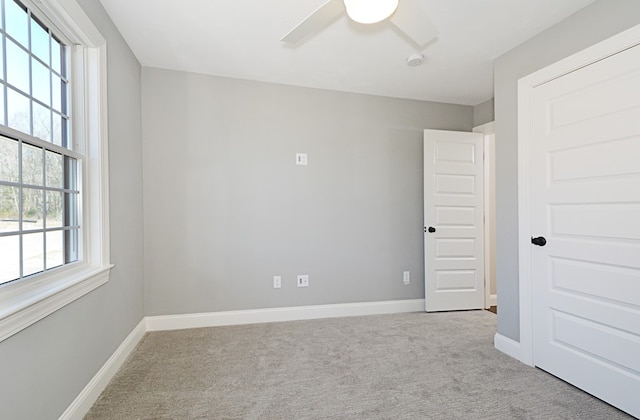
489	162
602	50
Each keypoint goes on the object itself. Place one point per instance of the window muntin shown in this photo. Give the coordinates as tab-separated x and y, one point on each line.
39	197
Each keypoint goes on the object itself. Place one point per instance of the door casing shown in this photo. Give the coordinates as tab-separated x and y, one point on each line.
488	129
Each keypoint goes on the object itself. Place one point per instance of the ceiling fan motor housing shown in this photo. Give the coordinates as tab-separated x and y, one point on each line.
415	60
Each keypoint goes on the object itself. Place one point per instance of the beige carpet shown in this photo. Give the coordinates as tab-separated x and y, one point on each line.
404	366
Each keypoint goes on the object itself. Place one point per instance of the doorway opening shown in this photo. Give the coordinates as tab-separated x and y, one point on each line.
491	295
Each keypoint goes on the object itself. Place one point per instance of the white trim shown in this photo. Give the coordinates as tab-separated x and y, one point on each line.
83	402
294	313
96	201
70	18
597	52
22	310
487	128
524	218
508	346
489	158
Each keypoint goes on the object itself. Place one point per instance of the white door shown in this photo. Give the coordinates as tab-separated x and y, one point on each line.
585	201
453	218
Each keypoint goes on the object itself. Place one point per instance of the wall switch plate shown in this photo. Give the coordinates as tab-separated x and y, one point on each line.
277	282
406	277
303	280
301	159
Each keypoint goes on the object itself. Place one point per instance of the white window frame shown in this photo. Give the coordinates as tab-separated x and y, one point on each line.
26	301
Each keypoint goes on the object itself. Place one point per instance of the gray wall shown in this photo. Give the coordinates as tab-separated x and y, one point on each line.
226	208
595	23
44	367
483	113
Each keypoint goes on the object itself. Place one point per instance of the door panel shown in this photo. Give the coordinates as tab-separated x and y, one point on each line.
454	261
455	216
456	280
455	185
585	198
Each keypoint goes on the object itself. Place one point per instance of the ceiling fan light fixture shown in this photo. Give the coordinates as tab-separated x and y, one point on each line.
370	11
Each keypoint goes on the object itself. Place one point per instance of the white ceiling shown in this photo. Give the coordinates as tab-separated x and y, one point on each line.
241	39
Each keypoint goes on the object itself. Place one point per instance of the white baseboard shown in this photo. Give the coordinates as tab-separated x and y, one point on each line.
507	346
294	313
493	300
83	402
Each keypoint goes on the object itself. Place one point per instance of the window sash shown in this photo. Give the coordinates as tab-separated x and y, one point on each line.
65	248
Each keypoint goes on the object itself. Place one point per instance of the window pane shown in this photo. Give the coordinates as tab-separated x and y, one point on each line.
57	56
55	249
54	209
17	23
58	85
2	121
54	170
41	82
18	111
8	160
1	56
41	122
59	95
32	253
9	258
17	67
31	165
9	205
57	133
32	209
39	41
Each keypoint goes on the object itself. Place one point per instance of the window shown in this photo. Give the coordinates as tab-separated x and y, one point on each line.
53	168
38	182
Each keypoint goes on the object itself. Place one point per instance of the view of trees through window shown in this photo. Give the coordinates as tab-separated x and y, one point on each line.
38	171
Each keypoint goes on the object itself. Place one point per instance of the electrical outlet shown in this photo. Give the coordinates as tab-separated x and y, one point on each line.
301	159
303	280
406	277
277	282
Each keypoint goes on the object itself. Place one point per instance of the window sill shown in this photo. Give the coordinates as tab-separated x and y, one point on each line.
26	302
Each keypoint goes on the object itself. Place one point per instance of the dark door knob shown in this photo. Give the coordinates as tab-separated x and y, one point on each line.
540	241
431	229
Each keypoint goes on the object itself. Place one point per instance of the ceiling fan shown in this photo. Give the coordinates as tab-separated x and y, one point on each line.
406	15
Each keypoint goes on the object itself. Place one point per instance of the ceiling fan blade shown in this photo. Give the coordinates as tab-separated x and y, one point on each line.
316	21
414	22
